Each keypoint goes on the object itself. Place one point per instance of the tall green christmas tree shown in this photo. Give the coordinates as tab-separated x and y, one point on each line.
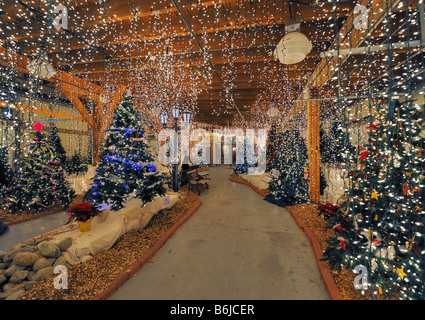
335	147
56	143
271	149
6	172
380	225
40	180
288	186
126	168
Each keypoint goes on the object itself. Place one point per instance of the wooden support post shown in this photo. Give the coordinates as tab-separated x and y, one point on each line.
313	141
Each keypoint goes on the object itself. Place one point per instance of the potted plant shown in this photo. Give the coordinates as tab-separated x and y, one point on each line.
83	214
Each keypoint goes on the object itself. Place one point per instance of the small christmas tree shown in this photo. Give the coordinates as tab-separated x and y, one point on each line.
126	168
288	185
76	164
248	159
40	180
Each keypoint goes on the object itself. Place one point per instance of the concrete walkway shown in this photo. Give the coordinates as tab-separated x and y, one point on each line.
236	246
32	228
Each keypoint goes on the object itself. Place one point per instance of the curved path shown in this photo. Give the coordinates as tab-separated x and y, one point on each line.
236	246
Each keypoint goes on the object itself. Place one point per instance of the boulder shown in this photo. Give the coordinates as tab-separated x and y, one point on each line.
43	263
49	250
65	243
11	253
25	258
3	278
61	261
19	276
12	269
10	287
2	254
15	295
42	274
29	284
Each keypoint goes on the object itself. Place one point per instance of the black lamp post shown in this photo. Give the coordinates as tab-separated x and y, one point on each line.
175	112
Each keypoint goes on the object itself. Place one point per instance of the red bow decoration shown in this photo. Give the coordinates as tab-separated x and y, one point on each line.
371	127
339	228
364	154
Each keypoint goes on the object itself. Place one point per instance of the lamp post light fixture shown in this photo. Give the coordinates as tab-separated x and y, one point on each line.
175	111
164	118
186	116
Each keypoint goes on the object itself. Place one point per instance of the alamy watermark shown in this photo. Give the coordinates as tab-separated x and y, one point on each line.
361	21
361	282
61	19
196	146
61	280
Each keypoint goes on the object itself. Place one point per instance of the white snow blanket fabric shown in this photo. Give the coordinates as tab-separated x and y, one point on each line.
81	183
110	225
336	184
261	181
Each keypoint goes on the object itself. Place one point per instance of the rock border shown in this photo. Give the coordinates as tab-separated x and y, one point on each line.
327	277
136	265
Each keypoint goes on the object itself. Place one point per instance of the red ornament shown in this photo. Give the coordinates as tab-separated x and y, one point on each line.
38	126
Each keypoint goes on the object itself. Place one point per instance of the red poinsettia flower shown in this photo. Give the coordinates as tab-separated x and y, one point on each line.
82	212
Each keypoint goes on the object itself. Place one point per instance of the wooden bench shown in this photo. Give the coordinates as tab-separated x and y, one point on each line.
197	178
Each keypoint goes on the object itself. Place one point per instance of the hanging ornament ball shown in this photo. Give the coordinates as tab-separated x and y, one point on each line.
111	148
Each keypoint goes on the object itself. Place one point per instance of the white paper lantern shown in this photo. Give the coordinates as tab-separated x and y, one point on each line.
292	48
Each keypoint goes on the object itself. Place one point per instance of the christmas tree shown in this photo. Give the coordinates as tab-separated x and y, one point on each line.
271	150
58	148
126	168
288	185
76	164
6	173
40	180
336	146
380	225
248	158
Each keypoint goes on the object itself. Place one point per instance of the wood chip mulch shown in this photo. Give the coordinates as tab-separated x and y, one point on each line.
93	277
344	279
